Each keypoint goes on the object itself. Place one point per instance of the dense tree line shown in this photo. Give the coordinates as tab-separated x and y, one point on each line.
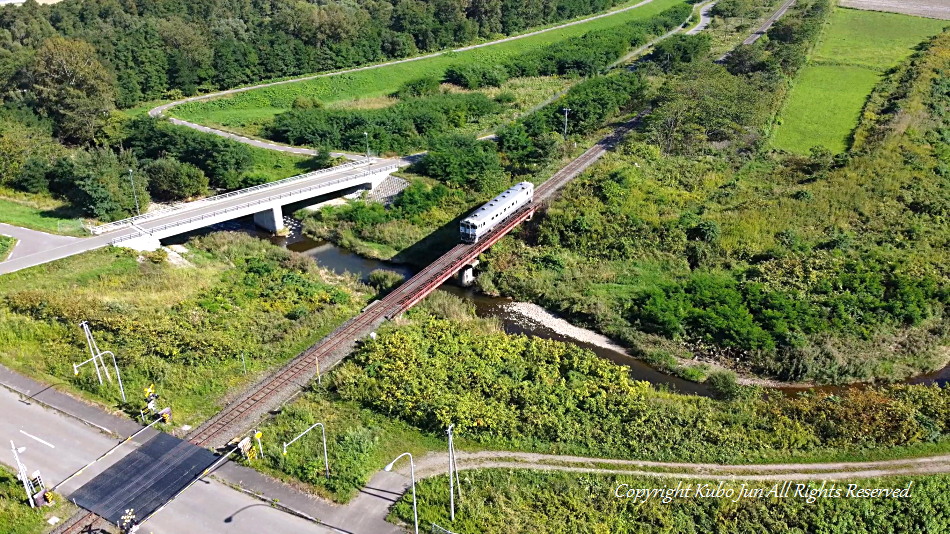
587	55
707	107
409	125
124	53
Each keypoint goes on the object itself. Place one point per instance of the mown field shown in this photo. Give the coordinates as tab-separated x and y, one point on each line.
39	212
855	49
251	109
187	329
520	501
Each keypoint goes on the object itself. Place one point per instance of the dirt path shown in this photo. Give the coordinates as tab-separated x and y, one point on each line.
434	464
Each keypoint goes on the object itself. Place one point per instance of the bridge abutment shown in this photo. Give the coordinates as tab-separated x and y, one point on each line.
271	220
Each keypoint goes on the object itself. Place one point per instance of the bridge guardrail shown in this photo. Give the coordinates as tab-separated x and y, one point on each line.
115	225
257	202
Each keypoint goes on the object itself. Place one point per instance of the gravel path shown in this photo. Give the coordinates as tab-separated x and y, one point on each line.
434	464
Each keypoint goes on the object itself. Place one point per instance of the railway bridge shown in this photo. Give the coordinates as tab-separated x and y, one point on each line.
179	462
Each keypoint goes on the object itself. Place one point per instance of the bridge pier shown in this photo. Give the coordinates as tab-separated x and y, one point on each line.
271	220
467	274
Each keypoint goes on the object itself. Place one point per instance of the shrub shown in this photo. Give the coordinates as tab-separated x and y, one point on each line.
170	179
384	279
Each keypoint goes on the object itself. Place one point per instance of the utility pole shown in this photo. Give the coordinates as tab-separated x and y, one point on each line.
565	110
135	195
366	137
453	474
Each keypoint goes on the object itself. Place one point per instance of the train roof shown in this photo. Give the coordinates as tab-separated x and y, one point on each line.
498	203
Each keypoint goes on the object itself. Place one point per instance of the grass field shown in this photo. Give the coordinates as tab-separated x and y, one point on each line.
517	501
248	110
6	245
39	213
190	330
855	49
16	516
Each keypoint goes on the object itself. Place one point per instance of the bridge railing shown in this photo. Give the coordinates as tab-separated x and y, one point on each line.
115	225
216	213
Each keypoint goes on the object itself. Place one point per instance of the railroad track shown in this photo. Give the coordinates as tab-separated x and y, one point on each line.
269	393
82	522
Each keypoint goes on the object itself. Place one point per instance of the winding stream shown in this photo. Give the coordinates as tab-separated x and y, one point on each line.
339	260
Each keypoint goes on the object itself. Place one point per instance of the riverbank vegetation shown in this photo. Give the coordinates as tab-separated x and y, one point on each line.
522	501
190	330
853	53
824	269
401	390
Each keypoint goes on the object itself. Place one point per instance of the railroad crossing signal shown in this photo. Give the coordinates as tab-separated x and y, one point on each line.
166	415
128	524
150	398
247	449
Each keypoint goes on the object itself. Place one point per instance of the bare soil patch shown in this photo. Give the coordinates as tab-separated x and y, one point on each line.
935	9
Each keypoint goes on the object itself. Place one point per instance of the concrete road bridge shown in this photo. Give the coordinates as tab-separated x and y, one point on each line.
264	202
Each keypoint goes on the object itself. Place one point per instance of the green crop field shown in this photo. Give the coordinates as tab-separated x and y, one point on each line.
247	111
856	47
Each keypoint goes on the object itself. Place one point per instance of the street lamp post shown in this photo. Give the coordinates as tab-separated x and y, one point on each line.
366	138
135	195
566	110
323	431
412	474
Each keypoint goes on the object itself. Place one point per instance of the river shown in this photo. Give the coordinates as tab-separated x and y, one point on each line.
339	260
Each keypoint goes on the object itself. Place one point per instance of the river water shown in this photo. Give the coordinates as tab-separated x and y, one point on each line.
341	261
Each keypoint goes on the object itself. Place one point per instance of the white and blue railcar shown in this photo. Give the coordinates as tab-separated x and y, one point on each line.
485	218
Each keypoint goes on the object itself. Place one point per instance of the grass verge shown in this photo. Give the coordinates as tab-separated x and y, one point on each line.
6	246
516	501
39	212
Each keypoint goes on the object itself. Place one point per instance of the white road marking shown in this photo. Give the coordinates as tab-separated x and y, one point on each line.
48	444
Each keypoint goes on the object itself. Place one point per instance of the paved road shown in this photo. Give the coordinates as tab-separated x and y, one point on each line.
58	445
189	212
768	23
704	19
160	110
32	241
